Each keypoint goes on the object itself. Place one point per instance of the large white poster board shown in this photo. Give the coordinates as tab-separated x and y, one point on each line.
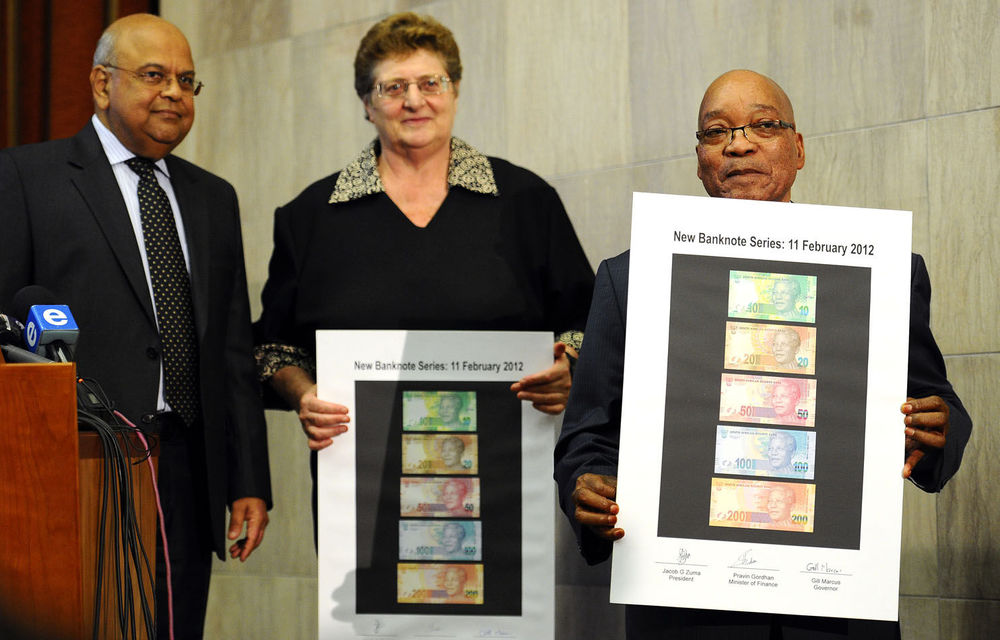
761	440
435	507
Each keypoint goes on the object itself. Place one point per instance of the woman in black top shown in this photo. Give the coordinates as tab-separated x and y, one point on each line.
420	231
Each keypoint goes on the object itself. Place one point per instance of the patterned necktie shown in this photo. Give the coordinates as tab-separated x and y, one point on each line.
171	293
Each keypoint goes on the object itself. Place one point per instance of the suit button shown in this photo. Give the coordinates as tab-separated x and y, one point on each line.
152	354
148	418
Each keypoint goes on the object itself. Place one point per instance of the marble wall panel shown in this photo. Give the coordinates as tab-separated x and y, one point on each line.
600	206
879	168
567	79
480	31
919	618
821	54
969	619
234	24
329	126
962	171
963	55
968	511
277	607
310	15
244	134
918	558
288	548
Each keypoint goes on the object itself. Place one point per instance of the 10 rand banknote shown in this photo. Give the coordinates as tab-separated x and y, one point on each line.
439	411
772	296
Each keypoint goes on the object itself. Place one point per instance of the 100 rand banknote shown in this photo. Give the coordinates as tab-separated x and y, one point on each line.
775	453
440	540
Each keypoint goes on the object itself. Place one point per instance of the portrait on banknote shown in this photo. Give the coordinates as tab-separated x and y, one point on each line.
435	508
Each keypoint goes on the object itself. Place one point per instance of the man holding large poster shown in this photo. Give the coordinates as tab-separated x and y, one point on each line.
748	148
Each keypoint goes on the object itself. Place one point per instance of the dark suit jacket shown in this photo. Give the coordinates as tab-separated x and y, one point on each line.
589	439
65	227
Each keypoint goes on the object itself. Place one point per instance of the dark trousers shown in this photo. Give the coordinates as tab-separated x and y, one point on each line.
181	480
656	623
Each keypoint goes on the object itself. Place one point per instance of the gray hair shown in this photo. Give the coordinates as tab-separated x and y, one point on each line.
105	52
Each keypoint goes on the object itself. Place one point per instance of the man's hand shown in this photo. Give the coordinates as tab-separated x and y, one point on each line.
321	420
595	507
547	390
253	512
926	428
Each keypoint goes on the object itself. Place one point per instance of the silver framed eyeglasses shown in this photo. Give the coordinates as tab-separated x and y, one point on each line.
155	79
429	85
760	131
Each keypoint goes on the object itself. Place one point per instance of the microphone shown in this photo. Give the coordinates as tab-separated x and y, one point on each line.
11	331
47	326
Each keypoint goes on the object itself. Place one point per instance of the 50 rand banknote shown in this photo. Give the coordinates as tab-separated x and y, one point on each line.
767	400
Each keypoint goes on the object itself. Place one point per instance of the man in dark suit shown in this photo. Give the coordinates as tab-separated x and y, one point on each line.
146	250
734	161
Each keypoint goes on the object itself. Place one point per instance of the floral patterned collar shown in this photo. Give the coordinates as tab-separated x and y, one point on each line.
467	168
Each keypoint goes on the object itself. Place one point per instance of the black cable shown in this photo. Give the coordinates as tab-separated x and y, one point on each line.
117	515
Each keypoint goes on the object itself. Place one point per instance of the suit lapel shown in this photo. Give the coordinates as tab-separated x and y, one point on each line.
97	185
197	233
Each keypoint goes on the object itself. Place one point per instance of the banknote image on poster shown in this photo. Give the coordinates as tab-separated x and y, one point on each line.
703	340
768	400
772	296
417	516
775	453
439	411
440	454
752	346
434	497
435	584
440	540
762	504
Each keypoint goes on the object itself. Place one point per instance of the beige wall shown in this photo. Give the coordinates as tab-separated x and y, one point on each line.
899	102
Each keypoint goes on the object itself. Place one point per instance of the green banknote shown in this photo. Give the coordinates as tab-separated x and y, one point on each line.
439	411
772	296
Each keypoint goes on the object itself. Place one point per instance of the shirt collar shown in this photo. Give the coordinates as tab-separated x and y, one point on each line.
467	168
115	150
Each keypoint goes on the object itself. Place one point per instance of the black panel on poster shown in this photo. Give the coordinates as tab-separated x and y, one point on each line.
695	363
379	434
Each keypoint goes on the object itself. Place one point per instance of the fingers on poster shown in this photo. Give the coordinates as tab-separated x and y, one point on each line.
439	496
785	343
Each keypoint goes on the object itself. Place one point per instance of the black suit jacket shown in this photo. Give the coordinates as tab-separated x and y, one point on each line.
589	439
65	227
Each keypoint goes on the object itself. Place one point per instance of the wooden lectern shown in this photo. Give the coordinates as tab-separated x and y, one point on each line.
51	479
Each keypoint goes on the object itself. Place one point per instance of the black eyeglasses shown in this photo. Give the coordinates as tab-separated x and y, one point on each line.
760	131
